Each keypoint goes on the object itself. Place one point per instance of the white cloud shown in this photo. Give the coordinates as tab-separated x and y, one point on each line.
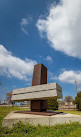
24	23
15	67
70	76
62	27
49	59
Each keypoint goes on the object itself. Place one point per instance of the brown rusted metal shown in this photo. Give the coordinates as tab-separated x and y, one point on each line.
39	78
39	113
38	105
39	75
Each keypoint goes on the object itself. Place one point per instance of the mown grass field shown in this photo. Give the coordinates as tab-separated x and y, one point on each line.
71	111
21	130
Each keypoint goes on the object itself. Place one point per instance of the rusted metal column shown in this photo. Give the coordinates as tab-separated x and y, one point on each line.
39	78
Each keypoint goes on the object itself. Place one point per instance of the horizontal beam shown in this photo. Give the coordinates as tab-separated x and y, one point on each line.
45	91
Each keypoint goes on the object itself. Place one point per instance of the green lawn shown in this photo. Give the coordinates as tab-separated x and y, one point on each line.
21	130
5	110
71	111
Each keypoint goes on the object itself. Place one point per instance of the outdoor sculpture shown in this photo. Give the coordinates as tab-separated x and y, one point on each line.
40	90
38	94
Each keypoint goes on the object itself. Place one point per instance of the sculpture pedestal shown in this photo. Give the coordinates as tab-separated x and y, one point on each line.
44	120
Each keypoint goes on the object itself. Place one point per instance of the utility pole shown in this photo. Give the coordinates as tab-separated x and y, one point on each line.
76	87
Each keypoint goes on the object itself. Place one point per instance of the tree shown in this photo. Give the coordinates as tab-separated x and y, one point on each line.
77	100
9	95
52	104
68	99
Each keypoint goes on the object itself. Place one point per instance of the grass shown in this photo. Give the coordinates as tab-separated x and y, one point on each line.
22	130
5	110
71	111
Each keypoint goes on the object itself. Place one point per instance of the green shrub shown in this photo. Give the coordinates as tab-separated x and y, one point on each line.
26	130
52	104
77	101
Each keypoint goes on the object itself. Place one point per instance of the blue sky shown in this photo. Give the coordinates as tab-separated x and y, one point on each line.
44	31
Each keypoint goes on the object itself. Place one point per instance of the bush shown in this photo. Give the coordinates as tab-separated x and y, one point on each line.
52	104
77	101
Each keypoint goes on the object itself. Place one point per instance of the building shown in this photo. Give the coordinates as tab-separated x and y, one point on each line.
66	106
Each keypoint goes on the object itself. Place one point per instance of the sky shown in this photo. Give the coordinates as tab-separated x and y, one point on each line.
44	31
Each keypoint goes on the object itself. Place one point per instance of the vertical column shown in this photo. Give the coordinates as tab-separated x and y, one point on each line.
39	78
39	75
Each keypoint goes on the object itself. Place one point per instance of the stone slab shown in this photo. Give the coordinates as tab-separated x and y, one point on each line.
44	91
64	118
13	118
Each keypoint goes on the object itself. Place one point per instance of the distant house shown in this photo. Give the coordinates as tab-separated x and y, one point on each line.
4	102
67	106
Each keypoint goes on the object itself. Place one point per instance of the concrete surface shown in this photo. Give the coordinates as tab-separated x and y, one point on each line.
44	91
13	118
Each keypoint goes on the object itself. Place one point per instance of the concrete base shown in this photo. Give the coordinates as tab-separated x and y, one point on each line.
13	118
